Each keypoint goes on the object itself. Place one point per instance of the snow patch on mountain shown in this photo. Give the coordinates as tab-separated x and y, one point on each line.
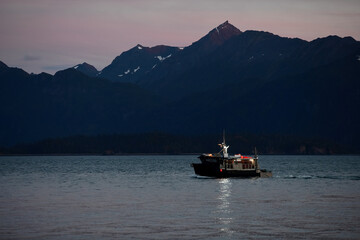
76	66
162	58
135	70
127	72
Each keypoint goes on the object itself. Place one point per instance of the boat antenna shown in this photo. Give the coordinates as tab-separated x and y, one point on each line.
224	136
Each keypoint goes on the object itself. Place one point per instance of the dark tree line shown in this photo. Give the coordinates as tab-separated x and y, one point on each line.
153	143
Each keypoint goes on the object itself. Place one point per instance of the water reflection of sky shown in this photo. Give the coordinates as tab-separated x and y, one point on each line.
224	217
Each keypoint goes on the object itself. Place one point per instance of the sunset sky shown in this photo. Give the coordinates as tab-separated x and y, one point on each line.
49	35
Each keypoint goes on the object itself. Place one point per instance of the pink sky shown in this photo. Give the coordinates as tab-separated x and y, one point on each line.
49	35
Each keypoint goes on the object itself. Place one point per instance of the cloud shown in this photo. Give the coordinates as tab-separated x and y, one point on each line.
31	58
55	68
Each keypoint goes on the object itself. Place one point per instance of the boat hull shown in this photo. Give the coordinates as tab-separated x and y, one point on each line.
213	170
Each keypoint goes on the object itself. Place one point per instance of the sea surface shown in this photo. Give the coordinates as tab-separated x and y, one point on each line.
159	197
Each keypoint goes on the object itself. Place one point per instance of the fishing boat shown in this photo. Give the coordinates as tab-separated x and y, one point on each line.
223	165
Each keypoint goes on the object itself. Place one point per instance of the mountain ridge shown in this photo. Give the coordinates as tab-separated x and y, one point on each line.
87	69
136	62
247	82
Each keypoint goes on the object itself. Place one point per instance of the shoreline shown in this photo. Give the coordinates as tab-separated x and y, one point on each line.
161	154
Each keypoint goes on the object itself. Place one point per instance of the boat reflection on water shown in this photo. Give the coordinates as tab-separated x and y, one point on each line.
224	211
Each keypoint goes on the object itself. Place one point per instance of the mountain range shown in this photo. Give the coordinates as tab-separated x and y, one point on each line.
246	82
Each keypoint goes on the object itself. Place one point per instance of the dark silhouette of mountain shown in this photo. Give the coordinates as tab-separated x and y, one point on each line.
246	82
3	66
87	69
323	102
249	55
34	107
214	38
134	64
171	75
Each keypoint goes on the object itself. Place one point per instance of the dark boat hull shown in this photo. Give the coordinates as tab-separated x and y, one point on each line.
213	170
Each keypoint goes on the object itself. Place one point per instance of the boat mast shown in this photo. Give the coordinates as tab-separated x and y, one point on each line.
224	147
256	159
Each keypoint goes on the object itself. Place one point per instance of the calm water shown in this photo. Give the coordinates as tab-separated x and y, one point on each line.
159	197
